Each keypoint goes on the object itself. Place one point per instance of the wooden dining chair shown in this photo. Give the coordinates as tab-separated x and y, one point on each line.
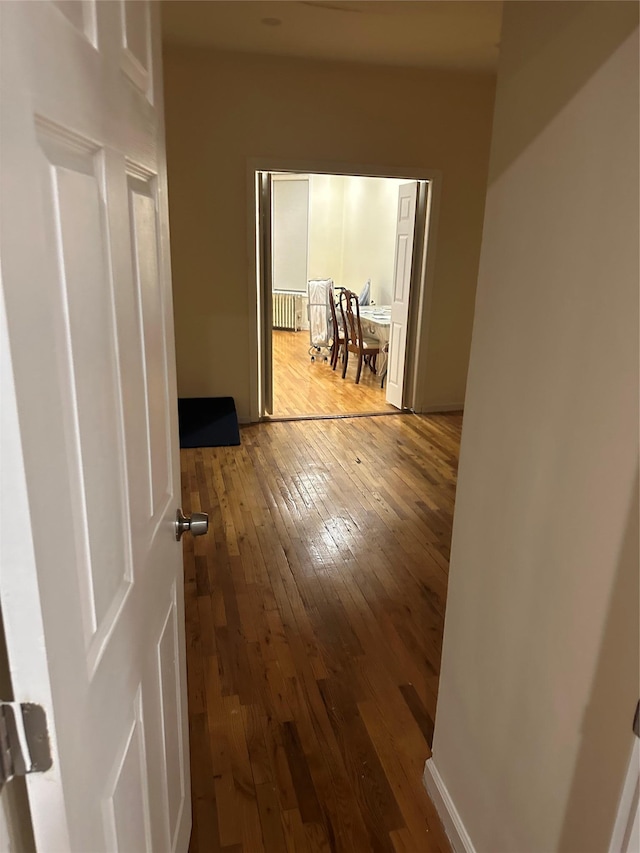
338	332
355	341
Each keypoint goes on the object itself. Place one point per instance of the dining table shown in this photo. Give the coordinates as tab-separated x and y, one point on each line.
376	322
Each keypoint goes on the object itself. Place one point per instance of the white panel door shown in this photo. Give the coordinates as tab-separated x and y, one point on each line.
90	574
407	197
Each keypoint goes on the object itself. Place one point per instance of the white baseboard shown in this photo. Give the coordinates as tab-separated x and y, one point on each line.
445	407
453	825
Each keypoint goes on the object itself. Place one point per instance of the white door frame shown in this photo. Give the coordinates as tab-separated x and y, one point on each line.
626	830
402	285
421	287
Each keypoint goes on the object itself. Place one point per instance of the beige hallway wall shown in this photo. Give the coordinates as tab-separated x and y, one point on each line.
223	109
540	666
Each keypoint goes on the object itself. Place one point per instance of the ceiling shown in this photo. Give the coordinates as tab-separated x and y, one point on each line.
446	34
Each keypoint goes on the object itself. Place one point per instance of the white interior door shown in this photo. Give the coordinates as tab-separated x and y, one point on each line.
91	575
406	222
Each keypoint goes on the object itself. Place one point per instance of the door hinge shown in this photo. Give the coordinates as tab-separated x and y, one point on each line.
24	740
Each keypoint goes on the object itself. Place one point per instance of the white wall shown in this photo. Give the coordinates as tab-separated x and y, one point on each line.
370	214
352	231
326	213
540	665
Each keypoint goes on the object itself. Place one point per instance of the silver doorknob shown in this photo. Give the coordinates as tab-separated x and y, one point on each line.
197	524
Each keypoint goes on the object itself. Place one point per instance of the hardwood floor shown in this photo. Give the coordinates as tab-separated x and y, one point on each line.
305	387
315	611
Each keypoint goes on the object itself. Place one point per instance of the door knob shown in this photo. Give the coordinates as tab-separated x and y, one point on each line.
197	524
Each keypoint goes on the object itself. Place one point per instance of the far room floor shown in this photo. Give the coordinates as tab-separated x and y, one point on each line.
305	387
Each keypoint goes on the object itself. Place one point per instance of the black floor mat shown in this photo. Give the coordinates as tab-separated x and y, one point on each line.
208	422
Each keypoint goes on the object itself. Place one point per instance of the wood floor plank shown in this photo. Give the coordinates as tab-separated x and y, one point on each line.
272	732
377	801
418	815
317	839
420	714
272	831
195	669
308	804
314	619
294	830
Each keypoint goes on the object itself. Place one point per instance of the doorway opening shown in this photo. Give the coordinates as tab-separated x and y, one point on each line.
321	236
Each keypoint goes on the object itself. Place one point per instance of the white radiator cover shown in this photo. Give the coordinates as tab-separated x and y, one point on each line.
290	310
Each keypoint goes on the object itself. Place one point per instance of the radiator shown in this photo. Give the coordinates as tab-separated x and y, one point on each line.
284	310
